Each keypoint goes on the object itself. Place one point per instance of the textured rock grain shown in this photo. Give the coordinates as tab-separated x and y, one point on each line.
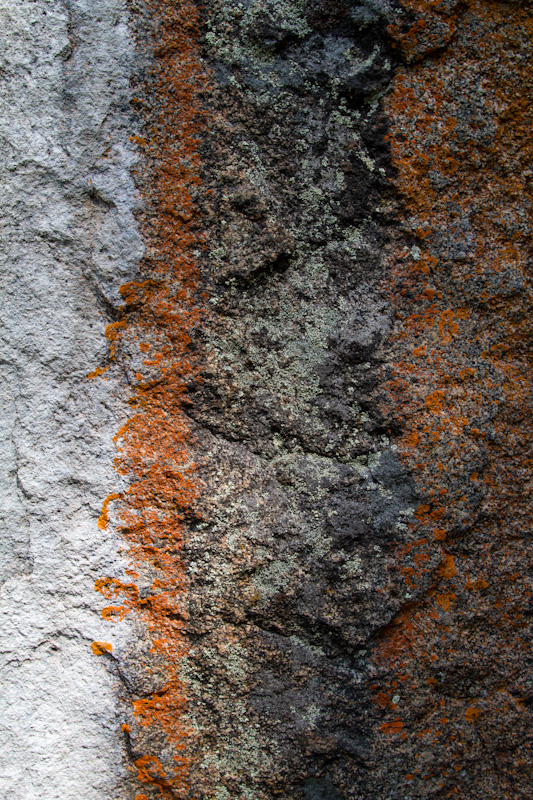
317	374
69	238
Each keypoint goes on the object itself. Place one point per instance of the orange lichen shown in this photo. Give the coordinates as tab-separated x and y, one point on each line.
104	516
447	327
392	727
479	584
112	588
465	407
157	317
445	600
114	613
447	568
100	648
97	372
150	770
113	331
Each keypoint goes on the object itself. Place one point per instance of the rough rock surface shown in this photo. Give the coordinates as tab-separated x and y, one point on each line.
315	540
69	239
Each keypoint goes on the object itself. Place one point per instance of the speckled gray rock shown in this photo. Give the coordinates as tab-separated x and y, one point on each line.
304	493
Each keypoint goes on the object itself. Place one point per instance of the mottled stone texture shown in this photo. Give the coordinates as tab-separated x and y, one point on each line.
359	575
304	492
324	348
458	655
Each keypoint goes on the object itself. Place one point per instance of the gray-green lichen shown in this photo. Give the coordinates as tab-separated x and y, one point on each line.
304	489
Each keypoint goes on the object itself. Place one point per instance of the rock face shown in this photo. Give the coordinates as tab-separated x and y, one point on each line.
69	241
289	242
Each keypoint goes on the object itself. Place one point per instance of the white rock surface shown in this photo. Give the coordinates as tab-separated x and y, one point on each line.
68	241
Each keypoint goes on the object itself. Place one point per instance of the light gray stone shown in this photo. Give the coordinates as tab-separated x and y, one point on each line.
69	240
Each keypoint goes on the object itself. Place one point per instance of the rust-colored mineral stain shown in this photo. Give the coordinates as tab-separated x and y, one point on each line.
157	316
461	119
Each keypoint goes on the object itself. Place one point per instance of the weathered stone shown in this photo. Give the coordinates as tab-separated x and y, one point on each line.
69	241
315	544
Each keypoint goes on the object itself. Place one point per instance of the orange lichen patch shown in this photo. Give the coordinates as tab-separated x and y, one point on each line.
382	699
479	584
392	727
97	372
435	401
100	648
150	770
115	613
462	150
112	588
113	331
104	516
431	28
445	600
472	713
158	314
135	292
447	569
448	328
